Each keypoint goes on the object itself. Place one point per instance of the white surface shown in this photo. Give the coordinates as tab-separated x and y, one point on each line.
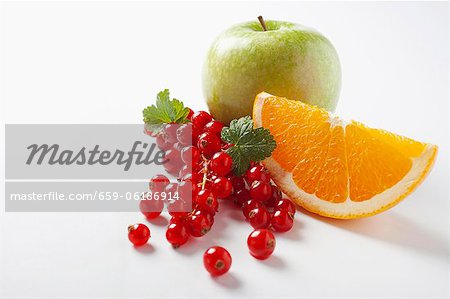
103	62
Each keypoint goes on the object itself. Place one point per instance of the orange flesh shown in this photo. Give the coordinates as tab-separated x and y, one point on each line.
332	161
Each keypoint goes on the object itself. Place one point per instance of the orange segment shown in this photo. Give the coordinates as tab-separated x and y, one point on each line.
406	146
338	169
311	127
333	183
373	164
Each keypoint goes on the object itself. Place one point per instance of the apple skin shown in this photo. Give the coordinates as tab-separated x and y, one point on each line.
287	60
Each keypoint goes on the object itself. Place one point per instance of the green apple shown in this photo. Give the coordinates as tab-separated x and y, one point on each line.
284	59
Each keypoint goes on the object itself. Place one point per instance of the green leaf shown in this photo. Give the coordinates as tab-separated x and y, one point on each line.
249	145
238	128
165	111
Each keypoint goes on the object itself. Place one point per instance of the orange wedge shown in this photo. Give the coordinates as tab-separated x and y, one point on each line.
336	168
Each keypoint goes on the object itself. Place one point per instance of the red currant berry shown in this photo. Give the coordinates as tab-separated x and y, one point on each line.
276	193
171	132
185	190
172	160
182	220
282	221
195	189
196	132
162	142
259	218
214	127
275	198
158	183
260	191
242	196
257	173
172	169
285	204
208	144
261	243
178	208
238	183
222	187
221	163
184	134
177	234
173	156
206	201
190	155
138	234
199	223
217	260
208	215
201	118
150	207
250	205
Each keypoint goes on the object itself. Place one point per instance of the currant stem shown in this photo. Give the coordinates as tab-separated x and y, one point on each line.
205	172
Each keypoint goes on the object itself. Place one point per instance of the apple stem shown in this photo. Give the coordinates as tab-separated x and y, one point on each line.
262	22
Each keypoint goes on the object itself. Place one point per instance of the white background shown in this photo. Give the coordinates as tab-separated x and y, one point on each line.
103	62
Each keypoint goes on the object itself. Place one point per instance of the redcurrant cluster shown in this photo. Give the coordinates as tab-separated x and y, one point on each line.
194	154
261	201
197	156
206	169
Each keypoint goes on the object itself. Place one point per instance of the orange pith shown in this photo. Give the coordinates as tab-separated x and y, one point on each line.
319	154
